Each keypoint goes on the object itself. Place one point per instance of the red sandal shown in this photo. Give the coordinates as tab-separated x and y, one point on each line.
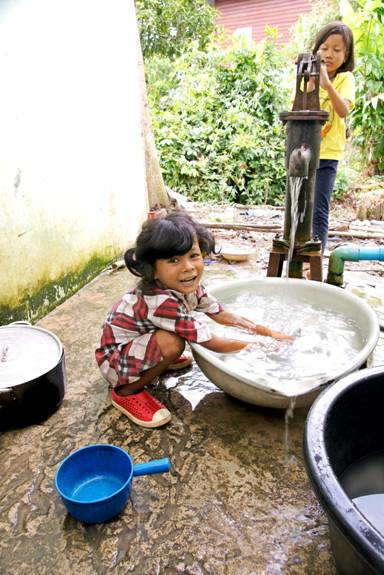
185	360
142	408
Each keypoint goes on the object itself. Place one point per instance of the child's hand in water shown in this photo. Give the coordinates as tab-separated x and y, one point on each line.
267	332
284	336
279	335
266	346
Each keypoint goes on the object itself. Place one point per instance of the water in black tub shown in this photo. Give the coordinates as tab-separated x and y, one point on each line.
363	482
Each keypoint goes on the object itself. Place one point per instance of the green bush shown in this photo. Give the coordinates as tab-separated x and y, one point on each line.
344	178
216	122
168	27
367	22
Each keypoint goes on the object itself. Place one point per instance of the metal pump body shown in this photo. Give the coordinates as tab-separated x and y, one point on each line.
302	150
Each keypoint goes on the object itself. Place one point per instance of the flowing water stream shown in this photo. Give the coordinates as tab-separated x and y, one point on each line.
289	413
295	183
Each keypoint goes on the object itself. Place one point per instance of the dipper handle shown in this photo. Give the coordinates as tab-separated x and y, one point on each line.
155	466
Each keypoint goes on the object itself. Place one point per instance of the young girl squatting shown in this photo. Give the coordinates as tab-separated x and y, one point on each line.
146	331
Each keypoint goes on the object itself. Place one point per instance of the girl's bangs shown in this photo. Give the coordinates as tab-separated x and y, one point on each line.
172	242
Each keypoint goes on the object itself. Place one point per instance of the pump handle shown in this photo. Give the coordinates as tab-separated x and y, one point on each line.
307	65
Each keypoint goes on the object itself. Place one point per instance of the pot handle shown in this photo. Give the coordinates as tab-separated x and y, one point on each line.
155	466
20	322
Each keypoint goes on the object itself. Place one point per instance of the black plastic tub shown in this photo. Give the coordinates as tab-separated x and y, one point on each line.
344	456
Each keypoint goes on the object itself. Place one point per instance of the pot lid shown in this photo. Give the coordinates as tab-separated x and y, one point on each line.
26	353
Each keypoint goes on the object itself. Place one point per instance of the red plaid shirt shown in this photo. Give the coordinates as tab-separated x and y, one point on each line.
127	346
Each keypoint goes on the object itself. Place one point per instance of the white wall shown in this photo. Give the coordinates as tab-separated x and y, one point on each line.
72	181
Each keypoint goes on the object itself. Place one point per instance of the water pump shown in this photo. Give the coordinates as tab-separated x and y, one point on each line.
302	149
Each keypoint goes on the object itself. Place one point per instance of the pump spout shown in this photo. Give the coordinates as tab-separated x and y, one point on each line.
299	159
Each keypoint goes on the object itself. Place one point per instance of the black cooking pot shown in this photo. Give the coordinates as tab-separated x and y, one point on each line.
32	374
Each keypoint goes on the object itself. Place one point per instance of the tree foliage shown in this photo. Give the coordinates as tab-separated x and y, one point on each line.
167	27
216	122
366	18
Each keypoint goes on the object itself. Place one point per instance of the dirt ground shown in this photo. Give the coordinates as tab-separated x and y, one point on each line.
236	226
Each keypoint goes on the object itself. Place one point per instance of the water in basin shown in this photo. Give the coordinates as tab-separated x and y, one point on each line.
326	341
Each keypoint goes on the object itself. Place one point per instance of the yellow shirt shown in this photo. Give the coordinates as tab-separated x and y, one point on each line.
333	132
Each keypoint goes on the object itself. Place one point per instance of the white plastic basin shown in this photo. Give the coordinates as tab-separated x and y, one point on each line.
246	388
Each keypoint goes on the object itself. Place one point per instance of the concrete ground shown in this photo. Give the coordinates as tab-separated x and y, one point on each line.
236	502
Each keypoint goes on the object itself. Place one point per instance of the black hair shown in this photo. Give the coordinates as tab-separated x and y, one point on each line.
347	35
163	238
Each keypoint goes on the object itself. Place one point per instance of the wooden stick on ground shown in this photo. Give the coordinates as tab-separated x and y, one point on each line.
250	227
276	228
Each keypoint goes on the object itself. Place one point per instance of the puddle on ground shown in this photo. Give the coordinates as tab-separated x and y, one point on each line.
191	384
371	290
370	294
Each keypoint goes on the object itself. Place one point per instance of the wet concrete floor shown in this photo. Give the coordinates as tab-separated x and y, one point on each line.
236	502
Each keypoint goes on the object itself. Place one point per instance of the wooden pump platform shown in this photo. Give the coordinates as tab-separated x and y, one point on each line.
277	258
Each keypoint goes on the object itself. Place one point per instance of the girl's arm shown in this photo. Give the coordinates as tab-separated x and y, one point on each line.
223	345
225	317
341	106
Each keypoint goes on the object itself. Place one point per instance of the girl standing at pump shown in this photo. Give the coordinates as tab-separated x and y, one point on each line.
145	332
337	97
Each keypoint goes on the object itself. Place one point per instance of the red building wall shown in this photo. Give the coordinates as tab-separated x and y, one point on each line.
257	14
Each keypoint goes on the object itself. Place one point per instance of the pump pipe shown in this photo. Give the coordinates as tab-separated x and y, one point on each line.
350	253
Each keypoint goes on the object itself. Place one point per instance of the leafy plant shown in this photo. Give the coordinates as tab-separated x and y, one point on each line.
216	122
344	178
367	22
